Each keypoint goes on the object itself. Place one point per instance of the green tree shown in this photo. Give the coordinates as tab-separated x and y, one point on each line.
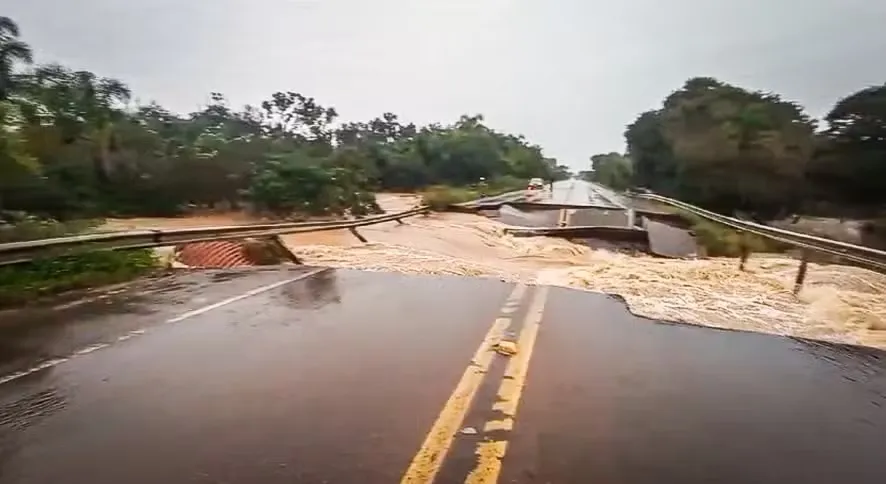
15	161
99	156
296	182
850	163
725	148
652	156
12	52
80	105
612	169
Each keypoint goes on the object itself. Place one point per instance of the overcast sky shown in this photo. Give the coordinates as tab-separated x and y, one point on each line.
568	74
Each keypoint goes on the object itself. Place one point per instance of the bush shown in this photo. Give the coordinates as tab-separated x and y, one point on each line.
440	197
19	227
296	184
722	241
22	282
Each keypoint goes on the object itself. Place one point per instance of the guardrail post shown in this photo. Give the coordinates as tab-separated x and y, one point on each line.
801	273
358	235
399	221
632	217
278	240
745	251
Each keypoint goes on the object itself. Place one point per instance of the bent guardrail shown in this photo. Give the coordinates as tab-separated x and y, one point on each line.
494	200
17	252
865	256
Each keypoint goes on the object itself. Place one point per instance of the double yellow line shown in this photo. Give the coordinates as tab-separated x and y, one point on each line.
430	457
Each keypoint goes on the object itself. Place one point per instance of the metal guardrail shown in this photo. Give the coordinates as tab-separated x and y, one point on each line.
17	252
494	200
865	256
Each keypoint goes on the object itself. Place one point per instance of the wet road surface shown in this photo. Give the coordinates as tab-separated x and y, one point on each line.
580	192
568	192
597	218
526	218
345	376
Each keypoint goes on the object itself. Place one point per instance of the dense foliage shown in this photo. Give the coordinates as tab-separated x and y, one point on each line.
73	145
850	163
725	148
734	150
611	169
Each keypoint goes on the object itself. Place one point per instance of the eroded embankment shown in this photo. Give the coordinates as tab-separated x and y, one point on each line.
838	303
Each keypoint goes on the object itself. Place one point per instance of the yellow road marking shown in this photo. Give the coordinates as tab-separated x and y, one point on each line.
427	461
489	462
506	424
489	456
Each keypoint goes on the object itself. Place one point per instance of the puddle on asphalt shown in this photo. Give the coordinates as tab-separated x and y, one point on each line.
312	293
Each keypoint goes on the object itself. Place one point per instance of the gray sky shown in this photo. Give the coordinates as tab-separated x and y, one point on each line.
568	74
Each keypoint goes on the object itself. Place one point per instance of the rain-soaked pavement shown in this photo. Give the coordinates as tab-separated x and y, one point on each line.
569	192
334	376
580	192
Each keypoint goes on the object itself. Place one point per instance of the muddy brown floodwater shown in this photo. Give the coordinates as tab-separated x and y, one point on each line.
838	303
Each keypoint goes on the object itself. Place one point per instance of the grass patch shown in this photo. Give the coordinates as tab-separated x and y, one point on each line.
440	197
20	283
722	241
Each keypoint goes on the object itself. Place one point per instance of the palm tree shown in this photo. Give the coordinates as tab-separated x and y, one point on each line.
12	51
82	106
102	95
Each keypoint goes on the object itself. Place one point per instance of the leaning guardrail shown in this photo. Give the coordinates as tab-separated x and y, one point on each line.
865	256
494	200
17	252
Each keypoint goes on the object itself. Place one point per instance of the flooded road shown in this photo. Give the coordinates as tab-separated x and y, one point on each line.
580	192
311	375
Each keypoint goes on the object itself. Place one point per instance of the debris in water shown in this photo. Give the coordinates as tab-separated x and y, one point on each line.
507	348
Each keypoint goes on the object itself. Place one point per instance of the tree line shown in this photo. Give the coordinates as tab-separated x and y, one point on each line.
73	145
732	150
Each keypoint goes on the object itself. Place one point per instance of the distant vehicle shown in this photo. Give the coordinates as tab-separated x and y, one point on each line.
536	184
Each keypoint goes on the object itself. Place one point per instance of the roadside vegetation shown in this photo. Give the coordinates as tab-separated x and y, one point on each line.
440	197
757	155
74	146
737	151
23	283
721	241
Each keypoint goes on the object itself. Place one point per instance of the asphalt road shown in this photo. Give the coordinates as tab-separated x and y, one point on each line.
579	192
570	192
301	376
